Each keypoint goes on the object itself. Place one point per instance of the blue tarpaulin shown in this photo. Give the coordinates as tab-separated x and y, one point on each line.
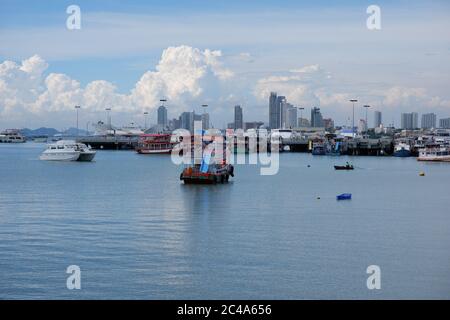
205	163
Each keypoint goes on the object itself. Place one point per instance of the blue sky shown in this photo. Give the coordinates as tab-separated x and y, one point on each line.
404	66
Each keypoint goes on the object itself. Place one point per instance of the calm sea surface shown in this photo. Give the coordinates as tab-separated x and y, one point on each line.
137	232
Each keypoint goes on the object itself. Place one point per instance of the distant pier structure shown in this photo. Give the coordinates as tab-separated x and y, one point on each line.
368	147
357	146
111	142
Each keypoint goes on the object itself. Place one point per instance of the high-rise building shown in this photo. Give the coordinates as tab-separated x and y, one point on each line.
281	111
410	121
428	121
273	111
187	121
238	118
291	117
316	118
444	123
174	124
378	120
162	116
362	126
205	121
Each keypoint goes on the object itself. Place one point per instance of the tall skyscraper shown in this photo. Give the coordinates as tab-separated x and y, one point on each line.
377	119
205	121
428	121
281	111
162	116
316	118
444	123
291	117
187	121
238	118
410	121
273	112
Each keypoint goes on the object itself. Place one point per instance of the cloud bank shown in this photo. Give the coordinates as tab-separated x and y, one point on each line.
188	77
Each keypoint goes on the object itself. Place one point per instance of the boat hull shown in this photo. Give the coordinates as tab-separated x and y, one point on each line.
148	151
69	156
402	153
435	159
86	156
343	167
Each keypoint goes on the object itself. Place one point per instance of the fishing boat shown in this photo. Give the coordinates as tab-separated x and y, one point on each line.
333	150
208	171
346	167
318	149
402	149
154	143
435	153
197	174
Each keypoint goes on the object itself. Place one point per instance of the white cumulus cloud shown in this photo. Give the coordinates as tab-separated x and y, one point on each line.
183	74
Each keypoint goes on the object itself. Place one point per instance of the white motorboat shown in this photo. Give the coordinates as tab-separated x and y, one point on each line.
68	150
63	150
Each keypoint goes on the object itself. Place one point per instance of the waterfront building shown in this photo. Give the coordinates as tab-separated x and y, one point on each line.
316	118
238	118
162	116
428	121
377	119
253	125
328	123
409	121
303	122
444	123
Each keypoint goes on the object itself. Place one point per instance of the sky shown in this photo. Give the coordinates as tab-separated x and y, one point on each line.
129	55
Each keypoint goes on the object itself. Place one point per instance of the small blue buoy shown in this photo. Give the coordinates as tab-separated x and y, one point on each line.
344	196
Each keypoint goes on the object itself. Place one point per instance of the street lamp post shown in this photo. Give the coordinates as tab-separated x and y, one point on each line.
77	108
367	108
353	118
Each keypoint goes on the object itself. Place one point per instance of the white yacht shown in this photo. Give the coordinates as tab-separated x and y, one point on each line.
68	150
434	153
12	136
